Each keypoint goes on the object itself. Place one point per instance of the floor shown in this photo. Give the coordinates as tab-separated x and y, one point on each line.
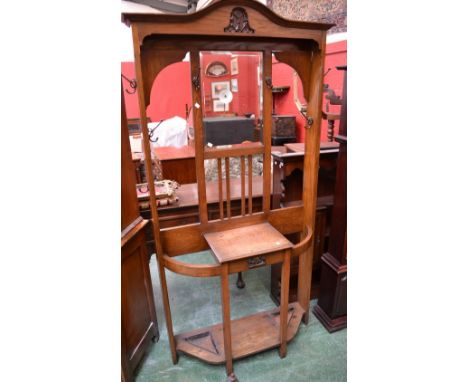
313	355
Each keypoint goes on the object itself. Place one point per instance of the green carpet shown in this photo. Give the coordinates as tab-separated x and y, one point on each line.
313	355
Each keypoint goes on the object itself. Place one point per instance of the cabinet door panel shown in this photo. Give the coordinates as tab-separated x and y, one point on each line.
139	323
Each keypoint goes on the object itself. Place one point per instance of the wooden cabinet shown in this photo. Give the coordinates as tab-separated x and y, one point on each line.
138	315
283	129
177	163
331	305
139	324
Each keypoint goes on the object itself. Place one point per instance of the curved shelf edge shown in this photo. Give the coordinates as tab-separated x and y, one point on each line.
250	335
194	270
304	244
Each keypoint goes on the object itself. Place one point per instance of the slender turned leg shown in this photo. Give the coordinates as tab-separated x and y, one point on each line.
331	128
240	281
285	270
226	317
167	312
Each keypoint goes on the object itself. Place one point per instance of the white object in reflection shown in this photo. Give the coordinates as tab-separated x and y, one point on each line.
170	132
225	96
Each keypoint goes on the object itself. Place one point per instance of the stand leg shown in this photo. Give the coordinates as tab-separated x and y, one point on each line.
285	270
303	282
226	318
167	312
240	281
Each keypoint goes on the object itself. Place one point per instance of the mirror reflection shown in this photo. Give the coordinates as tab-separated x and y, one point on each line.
232	97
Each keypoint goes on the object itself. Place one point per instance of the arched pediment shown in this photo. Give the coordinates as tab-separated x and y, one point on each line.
246	18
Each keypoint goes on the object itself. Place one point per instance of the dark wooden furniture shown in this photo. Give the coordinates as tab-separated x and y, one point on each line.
287	187
138	315
174	163
288	174
331	118
226	131
283	129
332	99
177	163
331	306
236	25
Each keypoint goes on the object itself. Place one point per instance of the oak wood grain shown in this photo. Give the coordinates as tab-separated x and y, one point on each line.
243	242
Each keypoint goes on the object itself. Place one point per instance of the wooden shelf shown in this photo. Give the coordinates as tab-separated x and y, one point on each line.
250	335
244	242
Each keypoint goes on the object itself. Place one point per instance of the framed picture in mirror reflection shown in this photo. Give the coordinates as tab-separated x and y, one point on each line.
218	87
220	106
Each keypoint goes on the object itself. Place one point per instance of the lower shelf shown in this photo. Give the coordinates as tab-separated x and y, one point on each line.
250	335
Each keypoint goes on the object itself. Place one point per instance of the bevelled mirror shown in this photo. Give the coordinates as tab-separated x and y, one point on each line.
232	97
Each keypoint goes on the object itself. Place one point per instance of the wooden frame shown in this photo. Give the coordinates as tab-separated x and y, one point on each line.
236	25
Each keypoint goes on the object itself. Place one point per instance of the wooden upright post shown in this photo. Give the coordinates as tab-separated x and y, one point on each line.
152	193
199	134
225	299
311	165
284	307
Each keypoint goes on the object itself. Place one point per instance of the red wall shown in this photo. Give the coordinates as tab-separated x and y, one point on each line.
284	102
171	89
245	100
169	94
336	56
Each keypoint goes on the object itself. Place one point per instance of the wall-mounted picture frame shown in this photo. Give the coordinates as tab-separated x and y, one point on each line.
234	85
234	66
220	106
218	87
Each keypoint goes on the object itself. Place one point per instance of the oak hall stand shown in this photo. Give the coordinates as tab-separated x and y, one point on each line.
250	240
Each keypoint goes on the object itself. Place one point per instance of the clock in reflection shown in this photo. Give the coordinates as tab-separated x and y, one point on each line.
216	69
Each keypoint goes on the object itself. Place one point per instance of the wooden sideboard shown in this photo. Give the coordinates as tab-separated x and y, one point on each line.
283	129
287	191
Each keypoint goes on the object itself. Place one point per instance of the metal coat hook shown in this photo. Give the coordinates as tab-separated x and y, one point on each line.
196	80
133	84
308	119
